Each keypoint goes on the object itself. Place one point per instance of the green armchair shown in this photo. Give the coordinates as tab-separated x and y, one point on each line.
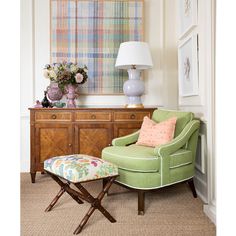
145	168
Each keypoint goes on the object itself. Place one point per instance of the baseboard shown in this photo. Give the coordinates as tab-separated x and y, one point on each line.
210	211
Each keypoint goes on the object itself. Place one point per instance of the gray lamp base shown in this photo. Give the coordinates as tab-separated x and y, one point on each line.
134	89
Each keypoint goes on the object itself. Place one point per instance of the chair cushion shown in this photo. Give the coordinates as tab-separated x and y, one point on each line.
153	134
134	158
79	167
180	158
182	118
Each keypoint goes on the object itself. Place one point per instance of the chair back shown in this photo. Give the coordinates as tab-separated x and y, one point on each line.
183	118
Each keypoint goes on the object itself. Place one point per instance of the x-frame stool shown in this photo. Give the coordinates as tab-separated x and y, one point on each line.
83	195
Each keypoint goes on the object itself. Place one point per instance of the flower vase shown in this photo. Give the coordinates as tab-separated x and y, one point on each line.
71	95
54	92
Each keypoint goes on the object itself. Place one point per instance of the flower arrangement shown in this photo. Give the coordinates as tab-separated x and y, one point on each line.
66	73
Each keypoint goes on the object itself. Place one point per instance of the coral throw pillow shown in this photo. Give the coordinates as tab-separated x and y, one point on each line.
153	134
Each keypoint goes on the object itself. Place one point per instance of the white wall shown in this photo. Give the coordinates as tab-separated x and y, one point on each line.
160	82
27	82
203	104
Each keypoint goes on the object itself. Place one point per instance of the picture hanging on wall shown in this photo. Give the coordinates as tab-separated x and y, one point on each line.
89	32
188	16
188	66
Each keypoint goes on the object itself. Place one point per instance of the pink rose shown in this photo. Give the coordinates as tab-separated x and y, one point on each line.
79	78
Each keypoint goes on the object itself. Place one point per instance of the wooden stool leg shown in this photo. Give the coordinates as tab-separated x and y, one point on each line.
104	182
66	187
95	204
106	213
54	201
84	220
77	199
85	195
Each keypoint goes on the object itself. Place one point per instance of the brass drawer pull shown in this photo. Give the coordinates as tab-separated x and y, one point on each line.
93	116
54	116
132	116
70	145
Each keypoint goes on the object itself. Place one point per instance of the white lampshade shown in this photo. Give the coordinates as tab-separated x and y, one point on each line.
134	53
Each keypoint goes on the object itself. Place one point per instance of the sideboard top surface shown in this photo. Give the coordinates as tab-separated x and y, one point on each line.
94	108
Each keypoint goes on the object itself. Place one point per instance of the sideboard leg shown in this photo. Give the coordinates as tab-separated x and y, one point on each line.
33	177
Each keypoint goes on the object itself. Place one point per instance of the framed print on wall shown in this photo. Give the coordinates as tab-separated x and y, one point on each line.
188	16
89	32
188	66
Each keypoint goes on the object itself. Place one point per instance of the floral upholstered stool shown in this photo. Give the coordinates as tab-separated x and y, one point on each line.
80	168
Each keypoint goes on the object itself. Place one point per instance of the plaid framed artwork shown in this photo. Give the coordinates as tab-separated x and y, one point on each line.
89	32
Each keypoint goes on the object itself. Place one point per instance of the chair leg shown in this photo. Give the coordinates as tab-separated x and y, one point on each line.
141	202
192	187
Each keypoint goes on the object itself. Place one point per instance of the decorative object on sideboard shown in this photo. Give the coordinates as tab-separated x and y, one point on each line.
68	76
71	94
45	102
134	56
38	104
54	92
59	104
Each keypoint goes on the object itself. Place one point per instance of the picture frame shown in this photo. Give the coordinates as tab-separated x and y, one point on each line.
89	33
188	66
188	16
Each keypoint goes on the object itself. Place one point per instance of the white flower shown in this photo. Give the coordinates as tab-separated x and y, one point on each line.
79	78
73	68
46	73
52	74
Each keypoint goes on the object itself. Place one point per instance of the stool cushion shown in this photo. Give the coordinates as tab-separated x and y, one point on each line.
79	167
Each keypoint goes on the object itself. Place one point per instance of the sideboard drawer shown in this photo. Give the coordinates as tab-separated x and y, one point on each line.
53	116
93	116
130	116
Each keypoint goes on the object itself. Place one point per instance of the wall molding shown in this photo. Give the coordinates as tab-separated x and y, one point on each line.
210	211
200	195
25	117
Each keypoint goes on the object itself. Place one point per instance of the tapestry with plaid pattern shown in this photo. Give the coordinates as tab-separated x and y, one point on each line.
89	32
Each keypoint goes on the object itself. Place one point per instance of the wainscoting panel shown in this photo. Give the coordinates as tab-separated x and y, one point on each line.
201	165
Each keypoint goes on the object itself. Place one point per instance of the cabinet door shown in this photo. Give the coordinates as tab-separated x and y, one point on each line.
52	140
91	138
122	129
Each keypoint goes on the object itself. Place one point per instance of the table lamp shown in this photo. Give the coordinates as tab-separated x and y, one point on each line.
134	57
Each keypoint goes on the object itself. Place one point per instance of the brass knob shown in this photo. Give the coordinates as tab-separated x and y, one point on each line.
109	144
93	116
54	116
70	145
132	116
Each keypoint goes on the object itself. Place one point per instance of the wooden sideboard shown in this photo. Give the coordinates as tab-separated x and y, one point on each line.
61	131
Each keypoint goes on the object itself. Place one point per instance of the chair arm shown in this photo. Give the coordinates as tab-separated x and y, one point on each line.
125	140
179	141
